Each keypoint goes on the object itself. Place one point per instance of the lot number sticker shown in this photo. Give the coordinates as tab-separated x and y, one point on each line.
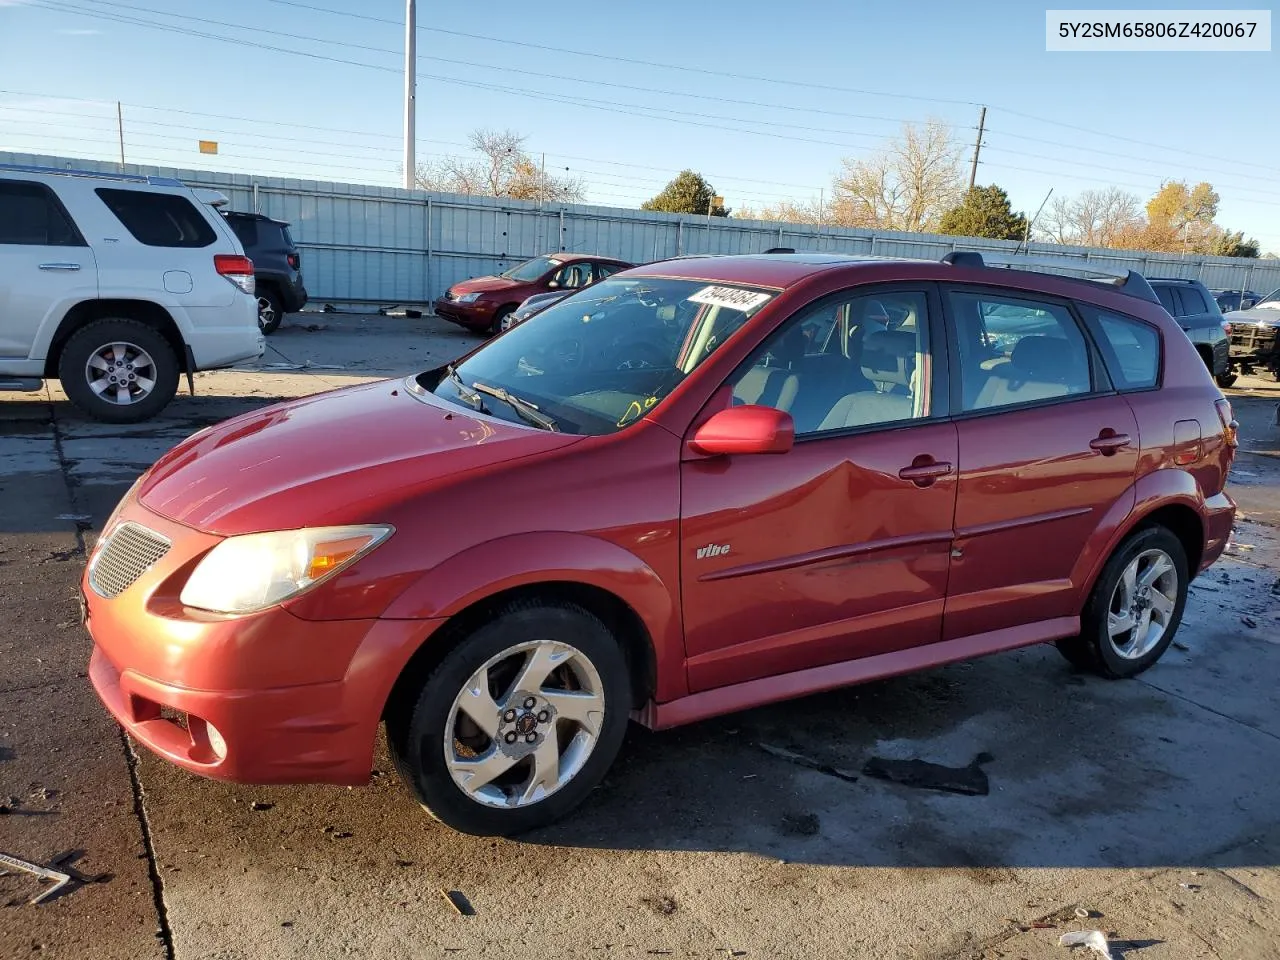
730	297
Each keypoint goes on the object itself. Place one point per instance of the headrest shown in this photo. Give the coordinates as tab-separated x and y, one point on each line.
888	356
1044	358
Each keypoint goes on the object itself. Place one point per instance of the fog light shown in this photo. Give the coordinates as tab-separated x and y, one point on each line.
216	743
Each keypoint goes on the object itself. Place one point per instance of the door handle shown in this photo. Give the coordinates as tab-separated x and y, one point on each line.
59	266
922	474
1108	442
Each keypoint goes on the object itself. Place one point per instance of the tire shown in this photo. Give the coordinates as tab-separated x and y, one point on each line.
124	348
503	312
518	798
270	311
1129	652
1226	380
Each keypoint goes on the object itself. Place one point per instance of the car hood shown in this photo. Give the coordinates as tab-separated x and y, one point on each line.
484	285
334	458
1267	316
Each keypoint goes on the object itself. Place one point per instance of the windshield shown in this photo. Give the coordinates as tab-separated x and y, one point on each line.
1270	302
605	356
530	269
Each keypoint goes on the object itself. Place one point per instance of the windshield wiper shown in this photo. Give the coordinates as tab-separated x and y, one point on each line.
465	393
526	410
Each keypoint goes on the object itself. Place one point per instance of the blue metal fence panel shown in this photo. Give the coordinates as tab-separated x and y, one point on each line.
385	245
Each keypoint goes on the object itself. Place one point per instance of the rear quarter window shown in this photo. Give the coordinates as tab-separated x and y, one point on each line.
1130	350
159	219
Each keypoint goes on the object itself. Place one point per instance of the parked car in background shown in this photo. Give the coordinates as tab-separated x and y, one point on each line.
117	285
277	266
1254	341
535	304
482	303
1235	299
705	485
1190	303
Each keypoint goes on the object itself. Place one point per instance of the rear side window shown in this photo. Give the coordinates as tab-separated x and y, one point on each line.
1130	349
1166	300
159	219
31	215
1193	301
1015	351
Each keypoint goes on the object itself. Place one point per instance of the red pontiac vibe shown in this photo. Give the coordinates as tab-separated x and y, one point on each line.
695	487
482	303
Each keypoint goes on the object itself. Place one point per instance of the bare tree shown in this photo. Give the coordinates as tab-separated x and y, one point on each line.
501	168
787	211
1096	218
908	186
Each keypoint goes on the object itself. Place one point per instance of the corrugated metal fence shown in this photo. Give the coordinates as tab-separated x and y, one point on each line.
384	245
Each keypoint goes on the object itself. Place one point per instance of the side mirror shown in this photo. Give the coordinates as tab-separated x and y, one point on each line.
745	429
553	284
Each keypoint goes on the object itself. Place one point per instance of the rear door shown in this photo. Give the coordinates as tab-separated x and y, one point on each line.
839	548
1047	448
45	266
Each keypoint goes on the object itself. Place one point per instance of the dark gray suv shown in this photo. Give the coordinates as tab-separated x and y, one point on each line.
1193	306
277	266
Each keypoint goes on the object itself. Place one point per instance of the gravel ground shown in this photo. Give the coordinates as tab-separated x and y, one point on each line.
1151	804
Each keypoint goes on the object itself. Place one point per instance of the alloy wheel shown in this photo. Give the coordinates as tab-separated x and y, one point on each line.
524	724
266	313
121	373
1142	604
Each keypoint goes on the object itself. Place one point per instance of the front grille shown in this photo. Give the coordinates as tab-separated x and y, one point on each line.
1253	337
130	552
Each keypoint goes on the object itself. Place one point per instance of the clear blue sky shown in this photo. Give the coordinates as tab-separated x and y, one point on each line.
1220	106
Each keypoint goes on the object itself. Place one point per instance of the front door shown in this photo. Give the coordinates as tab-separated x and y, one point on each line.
839	548
45	265
1046	450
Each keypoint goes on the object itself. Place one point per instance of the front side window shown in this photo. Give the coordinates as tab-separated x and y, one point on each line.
1130	349
573	277
530	270
30	215
842	364
158	219
603	357
1014	351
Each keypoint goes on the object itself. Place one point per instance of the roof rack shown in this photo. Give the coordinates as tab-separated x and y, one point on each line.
1125	280
60	171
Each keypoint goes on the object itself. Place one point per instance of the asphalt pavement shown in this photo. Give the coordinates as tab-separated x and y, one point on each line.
1148	804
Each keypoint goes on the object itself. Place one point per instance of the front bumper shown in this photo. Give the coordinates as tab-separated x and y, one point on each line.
290	700
473	316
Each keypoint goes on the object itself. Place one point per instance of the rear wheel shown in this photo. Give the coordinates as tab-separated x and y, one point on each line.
1135	607
118	370
270	312
518	723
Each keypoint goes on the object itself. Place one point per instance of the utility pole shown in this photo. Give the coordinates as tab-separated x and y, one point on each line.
977	147
120	132
410	88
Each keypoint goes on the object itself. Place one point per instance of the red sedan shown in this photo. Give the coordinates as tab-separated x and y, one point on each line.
696	487
482	303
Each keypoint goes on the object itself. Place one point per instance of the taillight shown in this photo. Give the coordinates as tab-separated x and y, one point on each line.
237	269
1230	428
295	261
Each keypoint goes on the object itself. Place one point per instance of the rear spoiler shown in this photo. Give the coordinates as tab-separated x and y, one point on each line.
214	198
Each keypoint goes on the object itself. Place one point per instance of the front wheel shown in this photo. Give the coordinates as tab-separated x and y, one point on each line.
119	370
1135	607
501	321
1226	379
518	723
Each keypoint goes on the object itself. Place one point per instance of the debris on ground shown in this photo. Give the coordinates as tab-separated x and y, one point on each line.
59	878
800	759
969	781
801	824
1249	621
459	902
1093	940
260	805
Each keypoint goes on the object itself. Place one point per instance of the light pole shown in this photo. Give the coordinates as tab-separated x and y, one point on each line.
410	91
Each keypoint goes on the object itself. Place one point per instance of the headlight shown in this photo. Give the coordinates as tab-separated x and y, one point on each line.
258	570
469	298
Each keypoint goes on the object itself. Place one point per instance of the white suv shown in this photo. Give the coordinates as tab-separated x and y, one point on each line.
117	285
